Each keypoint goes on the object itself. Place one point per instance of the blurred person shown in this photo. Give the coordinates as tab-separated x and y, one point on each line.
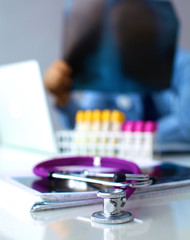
106	41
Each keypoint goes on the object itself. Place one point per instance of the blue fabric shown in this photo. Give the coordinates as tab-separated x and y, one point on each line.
174	123
172	105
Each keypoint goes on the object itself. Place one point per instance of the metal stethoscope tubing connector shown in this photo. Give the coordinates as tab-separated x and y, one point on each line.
113	201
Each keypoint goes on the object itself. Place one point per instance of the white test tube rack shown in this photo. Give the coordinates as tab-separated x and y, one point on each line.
79	143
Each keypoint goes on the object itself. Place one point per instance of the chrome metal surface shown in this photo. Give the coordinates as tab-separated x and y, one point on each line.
142	183
121	218
113	200
137	177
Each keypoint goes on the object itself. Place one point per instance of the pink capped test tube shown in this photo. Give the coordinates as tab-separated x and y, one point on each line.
128	137
128	126
139	126
150	126
138	139
150	129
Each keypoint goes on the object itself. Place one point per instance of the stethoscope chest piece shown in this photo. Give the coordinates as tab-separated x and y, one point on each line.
113	201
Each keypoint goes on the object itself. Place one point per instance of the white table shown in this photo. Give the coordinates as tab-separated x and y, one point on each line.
17	159
162	216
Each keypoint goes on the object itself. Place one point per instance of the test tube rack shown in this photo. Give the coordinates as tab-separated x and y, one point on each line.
134	147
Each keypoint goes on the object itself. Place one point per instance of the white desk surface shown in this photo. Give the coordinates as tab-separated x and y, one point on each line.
163	216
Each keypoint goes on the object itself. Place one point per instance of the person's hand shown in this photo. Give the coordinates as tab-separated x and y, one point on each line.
57	80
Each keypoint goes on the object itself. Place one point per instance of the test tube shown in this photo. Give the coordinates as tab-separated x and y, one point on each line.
105	130
150	129
96	120
76	140
79	120
95	132
87	120
117	119
85	146
128	140
106	120
138	139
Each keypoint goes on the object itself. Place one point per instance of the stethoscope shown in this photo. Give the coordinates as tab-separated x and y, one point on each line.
125	177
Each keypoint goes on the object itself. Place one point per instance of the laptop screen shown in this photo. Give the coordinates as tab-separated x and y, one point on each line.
24	114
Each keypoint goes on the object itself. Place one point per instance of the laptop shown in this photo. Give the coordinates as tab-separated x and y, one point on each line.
25	119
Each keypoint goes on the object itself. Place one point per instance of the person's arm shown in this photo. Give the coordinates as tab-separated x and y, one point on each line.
176	126
58	82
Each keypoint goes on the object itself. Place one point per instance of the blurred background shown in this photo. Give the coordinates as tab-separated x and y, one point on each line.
33	29
30	30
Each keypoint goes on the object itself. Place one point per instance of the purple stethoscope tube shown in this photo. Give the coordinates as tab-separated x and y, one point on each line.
52	168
